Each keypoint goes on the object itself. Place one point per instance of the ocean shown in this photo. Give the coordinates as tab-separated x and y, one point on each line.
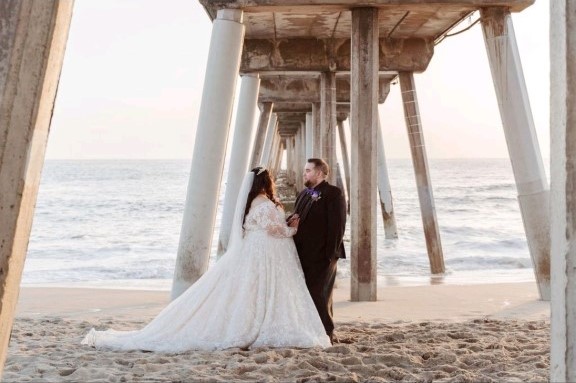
116	224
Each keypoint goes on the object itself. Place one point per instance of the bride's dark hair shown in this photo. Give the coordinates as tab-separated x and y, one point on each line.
262	183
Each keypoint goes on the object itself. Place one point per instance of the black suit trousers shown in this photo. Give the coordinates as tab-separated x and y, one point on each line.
320	282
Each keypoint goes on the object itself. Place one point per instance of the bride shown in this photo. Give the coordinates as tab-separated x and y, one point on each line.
253	296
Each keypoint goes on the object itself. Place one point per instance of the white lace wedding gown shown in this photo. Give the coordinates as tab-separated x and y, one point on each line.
255	297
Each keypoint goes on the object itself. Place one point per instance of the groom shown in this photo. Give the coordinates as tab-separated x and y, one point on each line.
320	215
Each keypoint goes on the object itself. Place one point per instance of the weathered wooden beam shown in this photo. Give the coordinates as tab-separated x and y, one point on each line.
284	89
563	190
301	155
211	6
342	109
309	139
422	172
364	120
289	106
291	116
325	55
328	120
289	128
290	87
317	149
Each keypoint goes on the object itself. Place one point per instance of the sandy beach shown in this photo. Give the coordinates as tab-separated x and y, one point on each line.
436	333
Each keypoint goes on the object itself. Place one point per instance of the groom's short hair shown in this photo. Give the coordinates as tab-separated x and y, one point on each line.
320	164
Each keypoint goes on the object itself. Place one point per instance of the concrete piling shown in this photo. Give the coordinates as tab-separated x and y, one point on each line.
520	133
32	46
209	150
239	155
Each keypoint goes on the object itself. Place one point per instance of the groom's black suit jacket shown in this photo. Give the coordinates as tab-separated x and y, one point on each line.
322	224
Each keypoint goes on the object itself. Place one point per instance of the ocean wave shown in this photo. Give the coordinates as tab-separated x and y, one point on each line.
505	186
488	263
468	209
494	246
109	220
148	270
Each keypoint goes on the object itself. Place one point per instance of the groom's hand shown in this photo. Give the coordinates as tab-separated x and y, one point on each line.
293	220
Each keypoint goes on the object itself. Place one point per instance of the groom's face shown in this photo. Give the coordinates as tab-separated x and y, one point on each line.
312	176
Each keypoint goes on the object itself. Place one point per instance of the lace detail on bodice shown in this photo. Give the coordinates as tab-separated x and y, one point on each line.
264	215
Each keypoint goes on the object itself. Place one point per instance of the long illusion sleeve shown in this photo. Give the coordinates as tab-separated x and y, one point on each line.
273	221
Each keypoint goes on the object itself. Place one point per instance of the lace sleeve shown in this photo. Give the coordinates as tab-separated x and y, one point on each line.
273	221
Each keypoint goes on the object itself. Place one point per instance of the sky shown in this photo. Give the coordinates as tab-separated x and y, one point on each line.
133	75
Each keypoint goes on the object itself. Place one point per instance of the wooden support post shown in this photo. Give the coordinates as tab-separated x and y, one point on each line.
328	120
563	190
364	120
209	149
309	135
298	150
302	155
316	131
32	45
527	164
422	173
295	150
